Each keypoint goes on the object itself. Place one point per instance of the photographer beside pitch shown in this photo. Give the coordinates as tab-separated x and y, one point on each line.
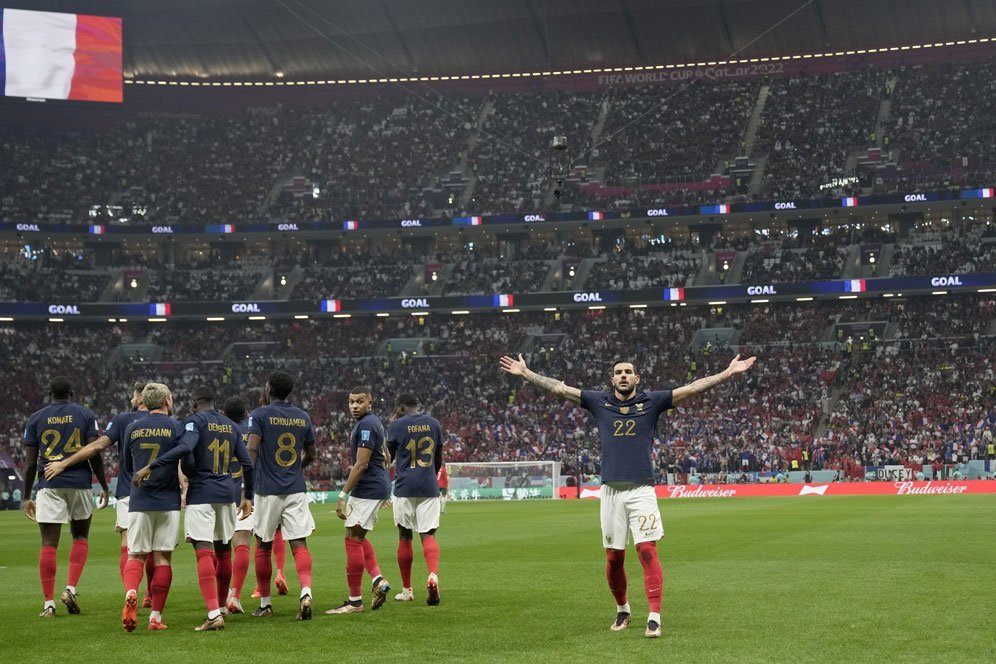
627	421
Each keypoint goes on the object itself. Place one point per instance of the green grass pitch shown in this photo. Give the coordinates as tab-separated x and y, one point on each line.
850	579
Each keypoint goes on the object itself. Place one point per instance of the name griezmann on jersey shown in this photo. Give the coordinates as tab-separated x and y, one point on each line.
150	433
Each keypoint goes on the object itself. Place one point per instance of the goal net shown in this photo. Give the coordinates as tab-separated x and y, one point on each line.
511	480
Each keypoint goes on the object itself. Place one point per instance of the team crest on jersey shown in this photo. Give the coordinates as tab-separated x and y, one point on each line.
639	407
608	539
624	410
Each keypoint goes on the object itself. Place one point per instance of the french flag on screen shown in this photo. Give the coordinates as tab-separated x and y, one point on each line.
162	309
674	293
220	228
850	201
855	286
60	56
468	221
504	300
350	225
97	229
596	216
331	306
986	192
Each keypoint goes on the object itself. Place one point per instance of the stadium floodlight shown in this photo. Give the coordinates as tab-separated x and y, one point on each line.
504	480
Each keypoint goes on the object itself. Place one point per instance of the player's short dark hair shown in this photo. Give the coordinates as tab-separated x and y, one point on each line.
361	389
235	409
281	384
60	388
407	400
139	386
623	361
202	394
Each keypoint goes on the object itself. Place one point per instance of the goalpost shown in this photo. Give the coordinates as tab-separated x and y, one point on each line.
504	480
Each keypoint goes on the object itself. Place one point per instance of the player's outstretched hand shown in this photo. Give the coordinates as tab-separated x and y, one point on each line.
53	468
739	366
245	509
29	509
141	475
102	501
516	367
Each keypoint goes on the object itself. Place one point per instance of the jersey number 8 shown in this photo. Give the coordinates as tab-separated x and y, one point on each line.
286	454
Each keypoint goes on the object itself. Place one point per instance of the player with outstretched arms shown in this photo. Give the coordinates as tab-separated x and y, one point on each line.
154	507
282	444
113	435
366	490
60	428
415	442
626	418
210	439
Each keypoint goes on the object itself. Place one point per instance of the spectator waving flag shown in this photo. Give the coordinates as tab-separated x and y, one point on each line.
60	56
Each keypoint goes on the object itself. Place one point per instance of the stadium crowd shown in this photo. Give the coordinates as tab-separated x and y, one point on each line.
806	395
393	156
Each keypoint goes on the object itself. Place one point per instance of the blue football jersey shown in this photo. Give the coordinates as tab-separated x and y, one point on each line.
115	432
375	483
55	432
627	429
145	440
416	445
285	431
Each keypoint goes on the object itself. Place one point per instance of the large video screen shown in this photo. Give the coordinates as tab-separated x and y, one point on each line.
49	55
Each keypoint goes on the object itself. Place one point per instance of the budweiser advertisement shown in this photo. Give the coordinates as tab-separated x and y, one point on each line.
834	489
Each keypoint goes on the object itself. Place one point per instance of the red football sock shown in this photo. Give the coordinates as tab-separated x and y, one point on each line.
354	567
223	573
133	574
150	571
615	572
77	560
46	570
124	559
162	578
370	559
264	571
405	557
240	568
206	578
653	574
302	561
430	549
279	551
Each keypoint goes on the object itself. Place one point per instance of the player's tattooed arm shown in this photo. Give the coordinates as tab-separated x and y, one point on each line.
517	367
705	384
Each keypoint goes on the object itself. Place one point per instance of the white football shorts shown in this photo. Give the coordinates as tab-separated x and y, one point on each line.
362	512
629	508
153	531
291	513
63	505
418	514
246	524
122	519
213	522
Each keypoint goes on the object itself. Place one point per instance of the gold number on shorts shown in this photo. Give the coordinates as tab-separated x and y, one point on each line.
51	438
150	446
624	428
222	453
286	444
421	451
648	522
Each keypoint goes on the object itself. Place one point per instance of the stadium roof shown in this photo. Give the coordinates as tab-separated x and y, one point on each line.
256	39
